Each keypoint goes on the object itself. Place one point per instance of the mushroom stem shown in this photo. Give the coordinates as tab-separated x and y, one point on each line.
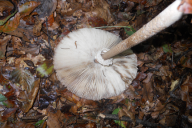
167	17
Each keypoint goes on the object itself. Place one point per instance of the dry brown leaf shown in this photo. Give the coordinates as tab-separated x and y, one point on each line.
147	92
148	79
164	71
145	57
91	125
24	78
19	33
158	105
162	121
3	45
188	82
7	113
158	53
173	84
55	120
130	93
20	124
70	8
37	27
126	112
141	76
154	115
141	115
31	97
184	93
5	6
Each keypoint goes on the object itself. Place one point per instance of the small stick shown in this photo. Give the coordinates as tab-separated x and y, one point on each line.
48	35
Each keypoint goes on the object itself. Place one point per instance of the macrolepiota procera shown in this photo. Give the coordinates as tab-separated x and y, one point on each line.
83	59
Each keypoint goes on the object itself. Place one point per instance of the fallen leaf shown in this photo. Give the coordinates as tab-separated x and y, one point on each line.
31	97
184	93
24	78
30	19
20	124
2	98
26	8
45	69
49	21
6	6
7	113
147	91
3	45
148	79
186	62
55	120
19	33
167	48
173	84
96	21
154	115
115	112
11	25
37	27
5	11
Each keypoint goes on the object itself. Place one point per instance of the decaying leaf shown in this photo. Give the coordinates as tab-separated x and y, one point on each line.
120	123
31	96
2	98
24	78
11	25
6	6
167	48
7	113
55	120
151	96
5	11
37	28
174	83
20	124
26	8
45	69
3	45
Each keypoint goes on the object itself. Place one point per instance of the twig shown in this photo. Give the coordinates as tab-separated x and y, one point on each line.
32	117
48	35
144	123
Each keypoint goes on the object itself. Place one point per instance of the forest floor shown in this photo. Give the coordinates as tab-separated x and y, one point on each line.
31	95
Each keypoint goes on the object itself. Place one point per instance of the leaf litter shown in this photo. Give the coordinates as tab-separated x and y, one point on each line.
31	96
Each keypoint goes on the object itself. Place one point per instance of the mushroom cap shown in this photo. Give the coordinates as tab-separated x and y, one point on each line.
76	69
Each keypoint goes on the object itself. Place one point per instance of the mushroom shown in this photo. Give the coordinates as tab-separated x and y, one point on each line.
83	60
76	69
